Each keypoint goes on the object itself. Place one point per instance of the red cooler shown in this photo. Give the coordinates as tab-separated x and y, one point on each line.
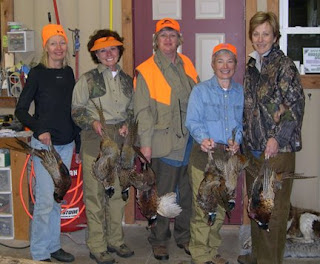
73	215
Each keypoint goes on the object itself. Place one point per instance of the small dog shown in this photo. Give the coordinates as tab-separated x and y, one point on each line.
303	226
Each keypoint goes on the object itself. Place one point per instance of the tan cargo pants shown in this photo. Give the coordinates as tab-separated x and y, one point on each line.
205	240
104	214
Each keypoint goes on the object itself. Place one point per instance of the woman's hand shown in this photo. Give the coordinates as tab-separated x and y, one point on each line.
45	138
207	144
123	131
233	146
97	127
272	148
146	151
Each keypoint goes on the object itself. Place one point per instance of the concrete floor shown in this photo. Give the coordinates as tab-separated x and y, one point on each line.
136	238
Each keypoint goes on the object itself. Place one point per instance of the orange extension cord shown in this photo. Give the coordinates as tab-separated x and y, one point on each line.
66	207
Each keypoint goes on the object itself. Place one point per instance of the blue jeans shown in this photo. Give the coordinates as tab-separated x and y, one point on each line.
45	226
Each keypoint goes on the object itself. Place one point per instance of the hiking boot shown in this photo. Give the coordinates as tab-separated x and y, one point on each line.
219	260
102	258
46	260
62	256
160	252
122	251
247	259
185	246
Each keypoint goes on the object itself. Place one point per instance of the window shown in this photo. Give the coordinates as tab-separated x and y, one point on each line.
299	26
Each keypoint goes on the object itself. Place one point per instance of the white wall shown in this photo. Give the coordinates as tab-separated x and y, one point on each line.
306	193
82	14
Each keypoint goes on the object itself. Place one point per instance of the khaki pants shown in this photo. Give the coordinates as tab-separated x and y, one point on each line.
104	214
268	247
205	240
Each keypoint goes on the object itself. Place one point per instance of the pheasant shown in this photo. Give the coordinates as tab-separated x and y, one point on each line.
269	173
219	182
147	196
126	168
104	167
51	160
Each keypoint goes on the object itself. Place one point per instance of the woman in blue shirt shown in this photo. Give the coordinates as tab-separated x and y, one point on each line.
214	115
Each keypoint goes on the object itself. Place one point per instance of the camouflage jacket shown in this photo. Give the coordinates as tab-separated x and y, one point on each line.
274	103
96	88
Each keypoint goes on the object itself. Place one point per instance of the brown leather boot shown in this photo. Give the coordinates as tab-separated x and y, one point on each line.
219	260
160	252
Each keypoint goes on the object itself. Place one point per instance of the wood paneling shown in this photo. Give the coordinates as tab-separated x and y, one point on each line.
310	81
251	9
273	5
127	65
127	34
6	14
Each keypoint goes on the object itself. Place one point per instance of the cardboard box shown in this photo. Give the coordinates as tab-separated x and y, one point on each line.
4	159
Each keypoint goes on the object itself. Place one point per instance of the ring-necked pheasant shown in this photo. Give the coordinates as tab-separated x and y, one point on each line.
51	160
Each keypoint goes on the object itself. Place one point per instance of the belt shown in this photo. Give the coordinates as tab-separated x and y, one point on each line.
220	146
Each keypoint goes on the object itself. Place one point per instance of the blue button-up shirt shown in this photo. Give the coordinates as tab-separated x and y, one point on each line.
214	112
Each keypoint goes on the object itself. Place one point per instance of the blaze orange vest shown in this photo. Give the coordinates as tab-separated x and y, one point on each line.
159	88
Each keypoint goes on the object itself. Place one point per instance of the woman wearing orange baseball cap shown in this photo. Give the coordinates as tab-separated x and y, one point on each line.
50	85
110	89
163	85
214	119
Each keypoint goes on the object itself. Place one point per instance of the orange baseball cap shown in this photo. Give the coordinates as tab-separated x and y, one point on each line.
167	22
51	30
105	42
225	46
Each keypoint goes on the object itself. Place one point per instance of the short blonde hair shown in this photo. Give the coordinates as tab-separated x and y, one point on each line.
261	17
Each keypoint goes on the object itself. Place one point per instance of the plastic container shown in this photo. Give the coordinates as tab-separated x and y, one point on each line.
6	227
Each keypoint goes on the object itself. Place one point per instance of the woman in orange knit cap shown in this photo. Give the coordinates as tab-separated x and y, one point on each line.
49	85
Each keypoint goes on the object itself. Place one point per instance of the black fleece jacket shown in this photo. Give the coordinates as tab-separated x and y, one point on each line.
51	90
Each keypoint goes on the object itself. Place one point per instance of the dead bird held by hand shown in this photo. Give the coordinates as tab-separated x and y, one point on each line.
269	173
150	204
104	167
219	183
126	167
51	160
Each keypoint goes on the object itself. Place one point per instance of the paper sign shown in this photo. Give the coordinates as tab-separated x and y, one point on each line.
311	60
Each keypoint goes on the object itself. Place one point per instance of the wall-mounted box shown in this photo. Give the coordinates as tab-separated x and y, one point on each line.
21	41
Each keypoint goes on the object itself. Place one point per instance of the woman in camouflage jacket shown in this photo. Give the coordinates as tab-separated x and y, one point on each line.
273	113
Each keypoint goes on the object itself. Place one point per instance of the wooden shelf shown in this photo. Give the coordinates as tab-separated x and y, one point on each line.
310	81
8	102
